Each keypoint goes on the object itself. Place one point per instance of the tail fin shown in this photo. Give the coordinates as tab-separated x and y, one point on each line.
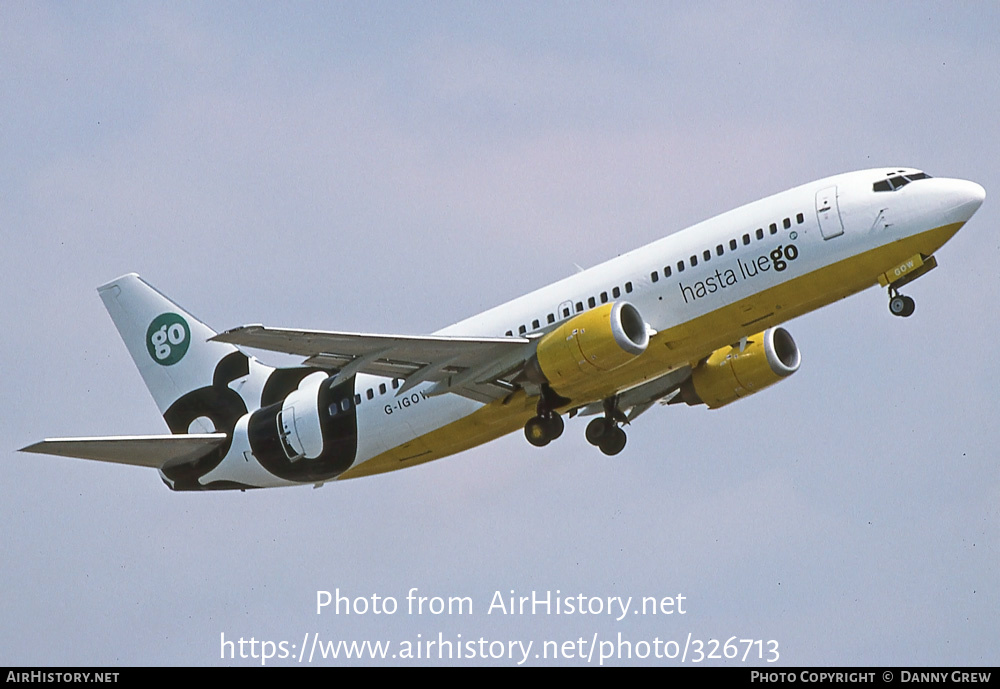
186	373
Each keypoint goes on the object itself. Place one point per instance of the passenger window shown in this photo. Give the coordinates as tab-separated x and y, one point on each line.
800	218
654	276
732	244
706	254
604	297
395	381
333	409
566	312
680	266
628	287
666	271
551	318
535	324
370	394
510	333
760	232
592	302
579	307
787	223
345	404
746	239
521	330
357	400
719	250
694	261
616	292
381	389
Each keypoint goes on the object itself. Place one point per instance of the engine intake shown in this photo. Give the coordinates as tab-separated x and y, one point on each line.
596	341
729	374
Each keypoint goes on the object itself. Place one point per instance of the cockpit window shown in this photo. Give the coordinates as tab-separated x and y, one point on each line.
898	181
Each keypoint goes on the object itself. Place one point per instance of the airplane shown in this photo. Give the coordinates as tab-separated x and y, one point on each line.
692	318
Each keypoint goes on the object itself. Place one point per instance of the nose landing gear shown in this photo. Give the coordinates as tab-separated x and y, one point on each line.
903	274
900	305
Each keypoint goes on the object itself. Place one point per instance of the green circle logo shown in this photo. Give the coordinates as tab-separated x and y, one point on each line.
168	338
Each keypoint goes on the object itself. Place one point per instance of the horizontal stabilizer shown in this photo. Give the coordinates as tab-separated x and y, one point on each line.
139	450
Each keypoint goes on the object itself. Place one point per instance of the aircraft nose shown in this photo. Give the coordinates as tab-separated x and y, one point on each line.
968	196
976	195
956	200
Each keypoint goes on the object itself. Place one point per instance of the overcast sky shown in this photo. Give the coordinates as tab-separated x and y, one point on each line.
397	167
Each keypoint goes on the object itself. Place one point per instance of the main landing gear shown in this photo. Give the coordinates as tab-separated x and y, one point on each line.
604	431
543	429
900	305
605	434
547	425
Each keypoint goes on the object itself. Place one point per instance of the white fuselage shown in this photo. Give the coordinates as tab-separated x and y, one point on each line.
711	284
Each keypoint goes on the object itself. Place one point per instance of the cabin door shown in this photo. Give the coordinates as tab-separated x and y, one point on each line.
828	212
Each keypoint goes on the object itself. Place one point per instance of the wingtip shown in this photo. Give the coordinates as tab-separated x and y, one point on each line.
227	335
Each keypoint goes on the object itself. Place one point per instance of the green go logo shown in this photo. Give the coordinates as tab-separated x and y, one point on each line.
168	338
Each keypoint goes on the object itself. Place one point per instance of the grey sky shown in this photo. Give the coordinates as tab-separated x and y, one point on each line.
397	167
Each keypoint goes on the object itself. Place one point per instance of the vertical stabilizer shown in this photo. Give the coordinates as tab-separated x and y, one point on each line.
170	347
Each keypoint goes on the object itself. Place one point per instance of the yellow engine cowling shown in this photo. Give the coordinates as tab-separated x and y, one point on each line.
597	341
729	373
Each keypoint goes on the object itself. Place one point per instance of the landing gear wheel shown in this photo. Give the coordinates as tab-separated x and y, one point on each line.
613	442
597	429
543	429
536	432
604	431
902	306
554	426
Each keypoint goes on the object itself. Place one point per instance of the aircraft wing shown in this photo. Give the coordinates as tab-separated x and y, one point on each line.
139	450
475	367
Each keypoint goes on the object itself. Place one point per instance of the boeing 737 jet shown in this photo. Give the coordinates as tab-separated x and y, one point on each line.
691	318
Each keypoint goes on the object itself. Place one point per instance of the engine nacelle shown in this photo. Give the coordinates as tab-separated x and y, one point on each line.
729	374
596	341
310	433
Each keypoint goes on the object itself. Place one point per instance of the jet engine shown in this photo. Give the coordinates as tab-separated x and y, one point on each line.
596	341
734	372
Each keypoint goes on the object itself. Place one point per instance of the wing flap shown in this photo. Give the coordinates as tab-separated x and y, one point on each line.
138	450
640	398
